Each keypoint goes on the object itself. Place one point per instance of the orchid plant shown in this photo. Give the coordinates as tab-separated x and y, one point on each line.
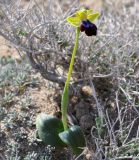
52	130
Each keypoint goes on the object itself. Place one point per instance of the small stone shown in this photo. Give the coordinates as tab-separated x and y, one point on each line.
88	156
87	90
74	100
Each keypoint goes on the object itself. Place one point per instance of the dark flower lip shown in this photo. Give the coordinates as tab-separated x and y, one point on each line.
91	32
82	28
89	28
86	23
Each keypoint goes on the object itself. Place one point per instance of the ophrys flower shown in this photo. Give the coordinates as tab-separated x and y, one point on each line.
84	19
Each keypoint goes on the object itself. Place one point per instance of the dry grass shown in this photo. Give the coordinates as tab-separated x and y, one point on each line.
108	64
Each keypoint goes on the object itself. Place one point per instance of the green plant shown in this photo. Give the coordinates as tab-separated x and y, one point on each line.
52	130
7	99
48	129
100	126
25	104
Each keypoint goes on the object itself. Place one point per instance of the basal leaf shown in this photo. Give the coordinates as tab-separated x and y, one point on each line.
48	129
74	138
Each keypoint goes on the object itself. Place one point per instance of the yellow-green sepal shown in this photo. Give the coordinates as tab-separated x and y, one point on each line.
82	14
89	11
93	17
75	21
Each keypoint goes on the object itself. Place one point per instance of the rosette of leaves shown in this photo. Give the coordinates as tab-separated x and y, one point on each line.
51	131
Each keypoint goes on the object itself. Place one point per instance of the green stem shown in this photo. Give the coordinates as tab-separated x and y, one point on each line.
65	96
